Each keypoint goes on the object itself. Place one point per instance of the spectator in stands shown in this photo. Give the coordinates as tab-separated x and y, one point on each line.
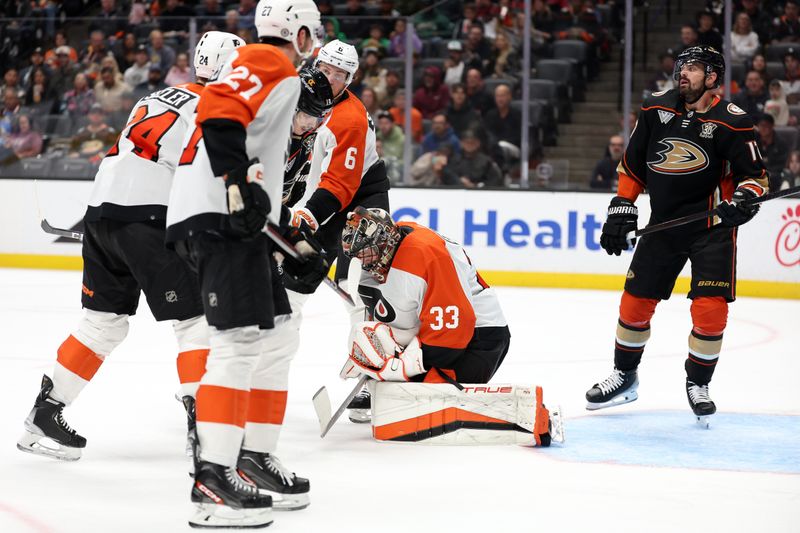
394	168
247	19
502	122
64	71
774	151
505	62
332	32
633	116
108	91
428	169
432	96
776	105
11	81
790	176
118	119
707	34
125	51
477	96
210	16
543	21
460	115
754	95
471	168
111	62
398	113
94	139
759	64
392	86
760	19
137	73
40	94
477	49
174	20
161	54
109	21
37	61
662	80
10	111
374	76
376	40
441	133
787	27
180	72
432	24
468	18
79	100
51	56
387	11
391	137
370	101
605	171
232	24
744	41
349	21
95	51
24	141
154	82
138	14
454	64
688	38
791	76
397	42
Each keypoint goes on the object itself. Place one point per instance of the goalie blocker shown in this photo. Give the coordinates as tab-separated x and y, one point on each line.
476	414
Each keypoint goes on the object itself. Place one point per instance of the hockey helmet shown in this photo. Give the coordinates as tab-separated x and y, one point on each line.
316	95
340	55
213	50
707	55
371	236
285	18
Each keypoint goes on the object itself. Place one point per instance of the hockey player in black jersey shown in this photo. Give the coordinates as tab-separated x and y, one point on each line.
691	151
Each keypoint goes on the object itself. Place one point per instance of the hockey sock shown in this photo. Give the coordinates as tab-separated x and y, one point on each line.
192	337
633	330
264	420
709	318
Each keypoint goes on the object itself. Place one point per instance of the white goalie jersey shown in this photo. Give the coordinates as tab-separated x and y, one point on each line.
135	177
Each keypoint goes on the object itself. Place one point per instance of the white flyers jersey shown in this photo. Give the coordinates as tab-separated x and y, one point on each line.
258	87
432	291
344	151
135	177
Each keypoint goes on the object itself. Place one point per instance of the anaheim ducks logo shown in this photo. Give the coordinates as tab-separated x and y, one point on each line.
679	157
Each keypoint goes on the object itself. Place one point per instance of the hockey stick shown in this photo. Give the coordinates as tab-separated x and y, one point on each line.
322	405
706	214
67	233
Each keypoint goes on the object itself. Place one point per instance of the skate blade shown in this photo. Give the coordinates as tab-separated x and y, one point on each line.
627	397
557	425
47	447
359	416
287	502
213	516
704	421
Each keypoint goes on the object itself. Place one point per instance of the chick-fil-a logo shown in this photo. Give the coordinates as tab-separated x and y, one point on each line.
787	245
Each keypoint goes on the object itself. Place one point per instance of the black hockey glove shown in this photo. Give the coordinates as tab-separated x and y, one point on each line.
738	210
248	202
621	220
304	276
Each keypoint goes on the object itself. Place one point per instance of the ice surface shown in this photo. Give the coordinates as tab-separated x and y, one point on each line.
644	466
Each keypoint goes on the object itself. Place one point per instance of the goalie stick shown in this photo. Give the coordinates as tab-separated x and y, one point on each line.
322	405
706	214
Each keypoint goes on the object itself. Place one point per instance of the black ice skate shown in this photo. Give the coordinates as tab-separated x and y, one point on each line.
191	424
359	408
700	402
46	431
289	492
618	388
222	499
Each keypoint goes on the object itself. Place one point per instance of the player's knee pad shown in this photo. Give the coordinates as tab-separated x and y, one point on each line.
191	334
233	357
635	311
709	314
101	332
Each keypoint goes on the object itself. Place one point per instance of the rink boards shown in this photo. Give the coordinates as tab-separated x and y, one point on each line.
519	238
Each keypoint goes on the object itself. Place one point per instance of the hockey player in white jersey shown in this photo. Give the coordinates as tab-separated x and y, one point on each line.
227	188
124	253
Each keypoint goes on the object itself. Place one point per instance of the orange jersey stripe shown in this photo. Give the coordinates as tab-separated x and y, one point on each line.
78	359
222	405
192	365
432	420
267	406
628	187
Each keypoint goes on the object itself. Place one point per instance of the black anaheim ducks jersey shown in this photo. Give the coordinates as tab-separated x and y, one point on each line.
688	161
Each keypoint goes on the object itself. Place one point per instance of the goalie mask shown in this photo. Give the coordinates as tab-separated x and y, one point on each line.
371	236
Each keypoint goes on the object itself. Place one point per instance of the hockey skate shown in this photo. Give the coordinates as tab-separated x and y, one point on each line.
46	431
618	388
358	410
701	403
265	471
222	499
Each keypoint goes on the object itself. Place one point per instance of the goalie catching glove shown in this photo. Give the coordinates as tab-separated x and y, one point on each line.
374	351
248	202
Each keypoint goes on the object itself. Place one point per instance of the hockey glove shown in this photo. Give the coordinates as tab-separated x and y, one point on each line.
738	211
304	276
303	216
248	202
621	220
376	353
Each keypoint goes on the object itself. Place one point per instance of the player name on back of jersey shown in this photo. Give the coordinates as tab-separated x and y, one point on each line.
172	96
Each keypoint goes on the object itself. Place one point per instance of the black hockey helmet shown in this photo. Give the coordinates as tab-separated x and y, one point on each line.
707	55
316	95
371	236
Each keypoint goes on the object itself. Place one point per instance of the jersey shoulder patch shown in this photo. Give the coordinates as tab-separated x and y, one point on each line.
730	115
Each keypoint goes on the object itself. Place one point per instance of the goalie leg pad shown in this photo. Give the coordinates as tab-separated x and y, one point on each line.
478	414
